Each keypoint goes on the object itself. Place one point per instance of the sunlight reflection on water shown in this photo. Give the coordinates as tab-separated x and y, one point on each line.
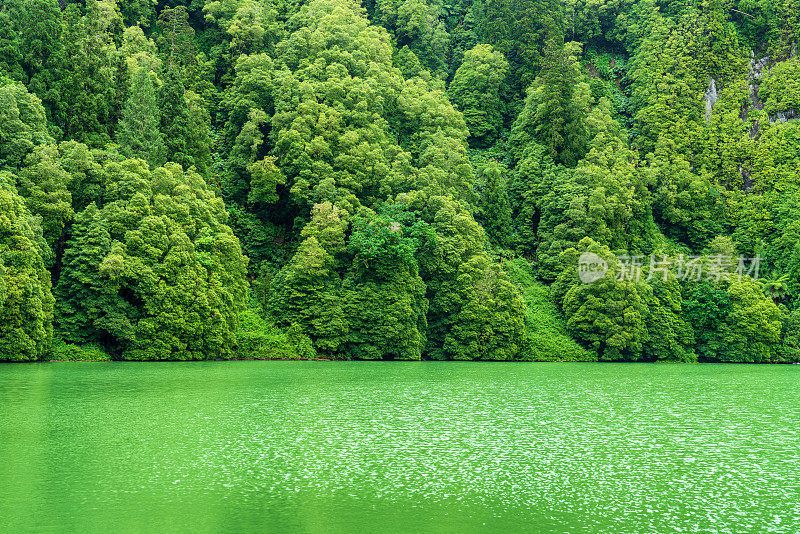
403	447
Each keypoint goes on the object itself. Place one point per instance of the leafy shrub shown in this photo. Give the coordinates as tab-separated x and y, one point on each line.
259	339
545	331
69	352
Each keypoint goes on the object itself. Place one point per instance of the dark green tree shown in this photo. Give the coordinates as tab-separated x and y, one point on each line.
185	126
474	312
556	108
495	206
308	291
80	86
177	37
608	315
38	23
139	134
520	30
10	49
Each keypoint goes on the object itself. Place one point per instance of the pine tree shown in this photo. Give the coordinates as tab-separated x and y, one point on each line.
184	125
496	209
556	109
177	37
139	135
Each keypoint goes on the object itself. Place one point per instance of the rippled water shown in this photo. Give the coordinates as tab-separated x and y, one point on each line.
399	447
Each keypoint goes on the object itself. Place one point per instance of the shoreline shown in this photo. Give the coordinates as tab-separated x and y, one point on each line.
392	361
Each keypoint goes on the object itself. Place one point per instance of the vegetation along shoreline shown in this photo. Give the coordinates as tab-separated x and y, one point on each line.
382	180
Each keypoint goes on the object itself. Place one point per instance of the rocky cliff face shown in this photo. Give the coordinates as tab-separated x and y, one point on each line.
784	116
754	76
710	98
757	67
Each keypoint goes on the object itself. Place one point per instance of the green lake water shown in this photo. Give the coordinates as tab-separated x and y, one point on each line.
399	447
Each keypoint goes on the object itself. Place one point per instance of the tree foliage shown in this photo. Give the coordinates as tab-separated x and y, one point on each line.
475	89
26	303
155	273
399	179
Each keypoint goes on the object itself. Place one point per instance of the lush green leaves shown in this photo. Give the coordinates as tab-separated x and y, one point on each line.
156	273
380	164
139	133
26	304
475	89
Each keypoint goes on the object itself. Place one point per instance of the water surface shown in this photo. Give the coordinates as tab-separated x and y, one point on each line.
399	447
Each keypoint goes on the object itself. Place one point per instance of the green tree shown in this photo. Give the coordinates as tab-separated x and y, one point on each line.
87	177
26	304
556	108
688	206
609	315
38	23
81	97
308	291
265	179
156	273
671	335
604	198
44	185
520	30
475	89
355	132
707	308
420	28
384	295
474	312
673	67
252	26
753	327
622	315
247	149
138	13
177	37
138	133
10	49
23	124
790	339
495	206
734	324
185	126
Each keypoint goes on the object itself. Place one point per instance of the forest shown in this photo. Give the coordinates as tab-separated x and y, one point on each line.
400	180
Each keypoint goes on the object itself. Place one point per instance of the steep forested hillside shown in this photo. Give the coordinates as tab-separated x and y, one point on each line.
400	179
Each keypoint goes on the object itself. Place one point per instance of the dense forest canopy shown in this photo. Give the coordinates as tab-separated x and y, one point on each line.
400	179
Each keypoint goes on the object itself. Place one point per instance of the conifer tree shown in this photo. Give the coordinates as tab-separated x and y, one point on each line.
184	125
177	37
556	108
495	206
139	134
